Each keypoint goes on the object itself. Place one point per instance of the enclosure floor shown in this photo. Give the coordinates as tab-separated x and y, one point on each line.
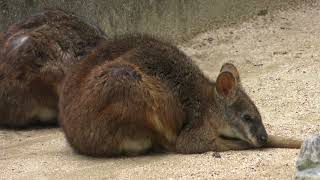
278	56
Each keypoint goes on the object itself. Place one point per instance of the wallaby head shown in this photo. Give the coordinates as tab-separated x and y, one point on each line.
240	118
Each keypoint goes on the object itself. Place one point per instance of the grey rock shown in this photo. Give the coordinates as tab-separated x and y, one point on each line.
308	163
308	174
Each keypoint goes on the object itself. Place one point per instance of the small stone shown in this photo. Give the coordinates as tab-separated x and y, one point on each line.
280	52
263	12
258	64
216	155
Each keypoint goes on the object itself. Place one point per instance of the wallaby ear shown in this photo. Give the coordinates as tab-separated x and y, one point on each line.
228	67
227	81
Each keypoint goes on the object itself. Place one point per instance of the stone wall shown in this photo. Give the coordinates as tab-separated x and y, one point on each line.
173	19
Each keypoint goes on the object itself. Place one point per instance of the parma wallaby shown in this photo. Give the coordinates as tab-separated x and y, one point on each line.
35	54
136	93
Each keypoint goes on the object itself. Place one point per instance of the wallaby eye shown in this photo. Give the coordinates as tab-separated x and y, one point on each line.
247	118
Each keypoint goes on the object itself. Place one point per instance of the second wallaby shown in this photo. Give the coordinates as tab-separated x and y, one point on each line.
137	93
35	54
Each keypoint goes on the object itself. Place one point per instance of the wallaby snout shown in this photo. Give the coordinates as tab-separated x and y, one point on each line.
259	138
262	139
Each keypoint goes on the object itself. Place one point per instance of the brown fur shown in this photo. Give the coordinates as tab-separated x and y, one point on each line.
136	93
1	37
35	55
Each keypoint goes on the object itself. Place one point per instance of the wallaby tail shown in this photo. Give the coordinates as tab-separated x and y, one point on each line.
283	142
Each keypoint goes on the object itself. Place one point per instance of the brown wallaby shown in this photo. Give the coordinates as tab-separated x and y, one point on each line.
35	54
136	93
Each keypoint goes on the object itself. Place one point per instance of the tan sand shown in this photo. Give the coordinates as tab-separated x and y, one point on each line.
278	57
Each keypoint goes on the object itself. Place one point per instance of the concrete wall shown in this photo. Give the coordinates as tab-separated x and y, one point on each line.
173	19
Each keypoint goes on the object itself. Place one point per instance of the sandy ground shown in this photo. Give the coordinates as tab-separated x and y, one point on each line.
279	59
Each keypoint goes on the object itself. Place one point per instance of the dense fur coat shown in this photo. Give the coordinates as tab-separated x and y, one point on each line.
137	93
35	55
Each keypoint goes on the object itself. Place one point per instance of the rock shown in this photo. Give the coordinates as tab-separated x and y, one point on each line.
308	163
308	174
309	154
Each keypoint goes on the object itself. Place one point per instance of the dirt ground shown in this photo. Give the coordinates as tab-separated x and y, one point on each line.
279	60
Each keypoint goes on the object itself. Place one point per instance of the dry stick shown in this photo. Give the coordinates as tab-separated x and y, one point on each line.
283	142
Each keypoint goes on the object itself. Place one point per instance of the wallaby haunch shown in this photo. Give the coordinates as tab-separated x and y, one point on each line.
136	93
35	54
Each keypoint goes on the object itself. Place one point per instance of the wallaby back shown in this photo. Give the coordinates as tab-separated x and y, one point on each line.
35	54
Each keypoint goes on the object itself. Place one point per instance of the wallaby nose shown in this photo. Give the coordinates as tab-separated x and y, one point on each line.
262	139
